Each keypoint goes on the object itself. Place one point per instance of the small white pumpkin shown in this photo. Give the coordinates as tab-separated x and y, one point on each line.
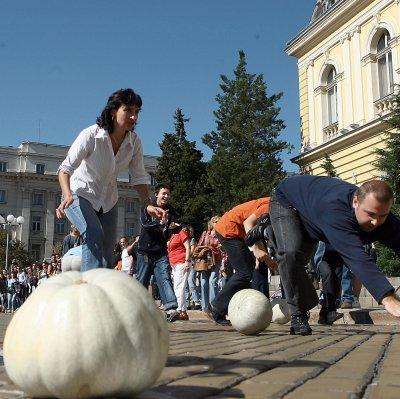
250	312
280	311
71	262
82	335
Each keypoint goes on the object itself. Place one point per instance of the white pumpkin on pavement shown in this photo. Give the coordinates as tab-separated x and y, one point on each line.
249	311
82	335
280	311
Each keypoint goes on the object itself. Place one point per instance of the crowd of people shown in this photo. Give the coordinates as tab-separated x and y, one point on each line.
300	212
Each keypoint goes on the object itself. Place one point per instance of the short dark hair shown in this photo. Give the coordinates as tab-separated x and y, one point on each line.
118	98
160	186
381	190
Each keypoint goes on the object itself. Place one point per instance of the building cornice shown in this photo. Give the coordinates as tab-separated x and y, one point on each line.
341	142
331	21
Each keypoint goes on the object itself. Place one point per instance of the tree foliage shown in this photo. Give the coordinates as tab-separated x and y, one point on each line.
388	162
246	161
327	165
181	167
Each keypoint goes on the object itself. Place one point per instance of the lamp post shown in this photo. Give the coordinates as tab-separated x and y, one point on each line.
10	223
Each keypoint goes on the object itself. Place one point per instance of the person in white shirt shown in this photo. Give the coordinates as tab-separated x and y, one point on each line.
88	177
128	256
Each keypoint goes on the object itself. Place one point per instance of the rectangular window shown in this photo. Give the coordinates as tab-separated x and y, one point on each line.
130	229
60	226
130	206
3	196
36	223
37	199
332	105
35	251
3	166
40	168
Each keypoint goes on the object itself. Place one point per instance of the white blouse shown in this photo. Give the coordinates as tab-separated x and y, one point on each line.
94	169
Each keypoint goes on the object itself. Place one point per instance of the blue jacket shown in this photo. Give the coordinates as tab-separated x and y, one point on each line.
325	208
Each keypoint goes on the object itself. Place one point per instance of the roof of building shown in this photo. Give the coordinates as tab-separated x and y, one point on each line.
321	7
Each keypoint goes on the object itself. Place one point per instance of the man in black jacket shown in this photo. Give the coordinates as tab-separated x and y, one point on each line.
152	257
305	209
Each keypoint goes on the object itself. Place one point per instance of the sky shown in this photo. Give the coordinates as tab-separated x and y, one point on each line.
60	60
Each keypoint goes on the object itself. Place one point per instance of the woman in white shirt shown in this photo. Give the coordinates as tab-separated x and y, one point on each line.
88	177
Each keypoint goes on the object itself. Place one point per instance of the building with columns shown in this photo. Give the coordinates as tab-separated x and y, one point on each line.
29	187
348	65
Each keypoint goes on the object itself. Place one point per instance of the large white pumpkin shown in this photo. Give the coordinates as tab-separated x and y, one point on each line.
82	335
280	311
250	312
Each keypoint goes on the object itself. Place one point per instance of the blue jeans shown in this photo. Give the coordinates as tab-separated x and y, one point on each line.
193	290
209	285
147	265
98	230
347	286
294	248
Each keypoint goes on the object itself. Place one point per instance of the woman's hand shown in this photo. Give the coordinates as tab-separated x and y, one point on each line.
65	203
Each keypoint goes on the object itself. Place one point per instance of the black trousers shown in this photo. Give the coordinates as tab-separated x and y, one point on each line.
243	262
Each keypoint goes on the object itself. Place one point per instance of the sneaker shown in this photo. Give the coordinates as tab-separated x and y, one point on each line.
327	318
211	315
183	315
197	306
332	316
171	315
299	325
347	305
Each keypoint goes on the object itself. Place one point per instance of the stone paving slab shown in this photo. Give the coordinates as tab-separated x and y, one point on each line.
209	361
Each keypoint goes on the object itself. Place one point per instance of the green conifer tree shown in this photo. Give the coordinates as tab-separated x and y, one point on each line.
246	148
327	165
181	167
388	162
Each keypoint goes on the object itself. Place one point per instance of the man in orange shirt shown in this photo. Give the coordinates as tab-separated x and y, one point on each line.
231	231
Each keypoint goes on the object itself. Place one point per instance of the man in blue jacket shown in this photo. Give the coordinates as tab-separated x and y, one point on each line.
308	209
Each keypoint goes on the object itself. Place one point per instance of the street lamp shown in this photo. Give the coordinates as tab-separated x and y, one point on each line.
11	223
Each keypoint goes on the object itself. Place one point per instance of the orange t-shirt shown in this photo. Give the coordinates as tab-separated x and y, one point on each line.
231	223
176	249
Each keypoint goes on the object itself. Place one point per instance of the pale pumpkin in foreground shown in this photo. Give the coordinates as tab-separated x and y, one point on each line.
81	335
250	312
280	311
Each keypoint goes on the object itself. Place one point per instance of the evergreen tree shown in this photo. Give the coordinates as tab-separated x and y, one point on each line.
246	161
181	167
388	162
16	250
327	165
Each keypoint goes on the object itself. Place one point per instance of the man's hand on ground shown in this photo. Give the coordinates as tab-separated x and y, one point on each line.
392	305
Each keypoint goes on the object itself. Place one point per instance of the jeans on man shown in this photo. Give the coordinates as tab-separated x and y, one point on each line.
98	230
347	285
209	285
193	289
243	261
159	266
259	279
294	248
331	275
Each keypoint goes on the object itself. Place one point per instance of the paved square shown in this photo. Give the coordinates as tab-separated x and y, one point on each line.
208	361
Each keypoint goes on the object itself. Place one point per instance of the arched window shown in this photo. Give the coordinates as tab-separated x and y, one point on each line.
331	91
385	66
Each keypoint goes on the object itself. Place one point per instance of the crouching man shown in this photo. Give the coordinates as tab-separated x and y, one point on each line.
306	209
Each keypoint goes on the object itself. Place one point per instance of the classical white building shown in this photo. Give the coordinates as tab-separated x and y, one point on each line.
29	188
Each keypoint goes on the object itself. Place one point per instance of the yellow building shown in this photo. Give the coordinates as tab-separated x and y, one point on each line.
349	64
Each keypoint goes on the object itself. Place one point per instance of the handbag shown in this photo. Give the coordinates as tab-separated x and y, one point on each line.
200	265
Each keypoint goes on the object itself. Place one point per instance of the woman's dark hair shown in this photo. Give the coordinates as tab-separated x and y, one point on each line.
118	98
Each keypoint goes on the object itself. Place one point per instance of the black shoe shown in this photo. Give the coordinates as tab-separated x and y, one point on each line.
197	306
171	315
214	317
299	325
